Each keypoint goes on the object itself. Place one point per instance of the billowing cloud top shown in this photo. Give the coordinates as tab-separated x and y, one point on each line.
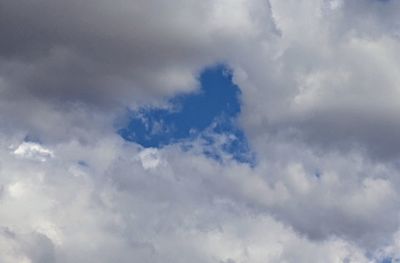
318	107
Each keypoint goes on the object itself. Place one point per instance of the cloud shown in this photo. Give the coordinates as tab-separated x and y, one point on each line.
34	151
188	207
104	53
150	158
331	77
319	84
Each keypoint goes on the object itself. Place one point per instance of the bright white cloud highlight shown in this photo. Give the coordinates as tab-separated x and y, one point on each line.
33	151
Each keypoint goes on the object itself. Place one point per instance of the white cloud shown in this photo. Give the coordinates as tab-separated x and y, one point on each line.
320	106
195	209
33	151
150	158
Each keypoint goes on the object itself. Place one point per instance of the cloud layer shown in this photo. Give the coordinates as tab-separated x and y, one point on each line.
319	87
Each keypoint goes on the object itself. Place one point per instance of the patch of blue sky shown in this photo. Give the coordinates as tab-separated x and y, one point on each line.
209	115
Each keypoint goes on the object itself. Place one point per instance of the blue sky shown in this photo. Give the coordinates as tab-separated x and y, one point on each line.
206	113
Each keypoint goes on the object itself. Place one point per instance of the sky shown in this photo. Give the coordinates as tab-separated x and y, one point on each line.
213	131
208	115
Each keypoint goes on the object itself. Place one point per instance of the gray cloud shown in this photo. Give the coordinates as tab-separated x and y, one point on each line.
320	86
332	77
120	52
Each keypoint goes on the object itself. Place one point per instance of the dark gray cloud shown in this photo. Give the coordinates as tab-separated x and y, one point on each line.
108	53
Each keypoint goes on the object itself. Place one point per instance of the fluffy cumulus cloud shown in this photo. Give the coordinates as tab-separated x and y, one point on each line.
319	82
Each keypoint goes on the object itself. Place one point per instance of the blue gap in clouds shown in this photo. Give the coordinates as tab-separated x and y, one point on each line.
207	114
